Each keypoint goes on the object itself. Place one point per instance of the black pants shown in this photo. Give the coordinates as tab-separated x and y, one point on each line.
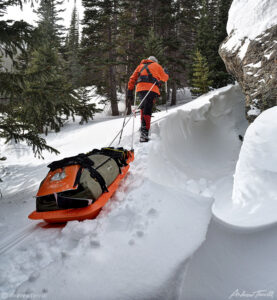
146	108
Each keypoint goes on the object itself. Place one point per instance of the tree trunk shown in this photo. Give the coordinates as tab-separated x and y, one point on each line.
128	103
174	94
112	92
168	92
112	79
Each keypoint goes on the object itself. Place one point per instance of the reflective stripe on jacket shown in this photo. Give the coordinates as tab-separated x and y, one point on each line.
156	70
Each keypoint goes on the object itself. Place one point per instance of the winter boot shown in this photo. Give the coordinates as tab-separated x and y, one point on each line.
145	126
143	134
144	139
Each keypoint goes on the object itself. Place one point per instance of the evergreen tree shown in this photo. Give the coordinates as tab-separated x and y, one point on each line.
99	46
154	46
210	33
52	99
51	31
74	68
173	43
86	109
222	77
205	42
131	30
200	80
14	37
49	98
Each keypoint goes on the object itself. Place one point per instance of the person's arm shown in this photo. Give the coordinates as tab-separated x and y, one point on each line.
133	79
163	75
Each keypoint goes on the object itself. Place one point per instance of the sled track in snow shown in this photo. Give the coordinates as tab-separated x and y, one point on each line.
17	238
20	236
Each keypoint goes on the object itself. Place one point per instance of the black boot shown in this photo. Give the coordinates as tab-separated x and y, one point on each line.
144	135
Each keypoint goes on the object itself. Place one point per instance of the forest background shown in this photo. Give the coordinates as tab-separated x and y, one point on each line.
53	65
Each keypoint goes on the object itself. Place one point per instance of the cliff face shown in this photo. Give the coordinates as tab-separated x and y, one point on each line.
250	52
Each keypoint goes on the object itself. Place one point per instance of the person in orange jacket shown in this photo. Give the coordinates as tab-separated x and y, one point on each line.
147	77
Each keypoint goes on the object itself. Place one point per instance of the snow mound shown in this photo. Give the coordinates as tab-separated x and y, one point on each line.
133	250
233	265
141	244
200	141
254	200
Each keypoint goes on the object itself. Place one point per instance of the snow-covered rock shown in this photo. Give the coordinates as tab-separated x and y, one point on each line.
250	52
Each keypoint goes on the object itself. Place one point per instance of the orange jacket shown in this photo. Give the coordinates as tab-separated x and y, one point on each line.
155	69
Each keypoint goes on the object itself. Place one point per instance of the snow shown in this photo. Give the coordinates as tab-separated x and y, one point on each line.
254	111
27	13
244	49
250	18
173	230
203	138
120	246
257	65
247	20
267	56
254	197
233	260
262	80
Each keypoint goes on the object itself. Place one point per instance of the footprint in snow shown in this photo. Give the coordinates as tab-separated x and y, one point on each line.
34	276
131	242
95	244
140	233
152	212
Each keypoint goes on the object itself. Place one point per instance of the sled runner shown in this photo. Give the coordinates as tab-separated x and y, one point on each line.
77	188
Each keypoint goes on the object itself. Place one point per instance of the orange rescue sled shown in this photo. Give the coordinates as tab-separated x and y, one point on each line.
89	212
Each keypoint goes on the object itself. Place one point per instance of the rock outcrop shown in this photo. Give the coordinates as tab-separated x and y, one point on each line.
250	52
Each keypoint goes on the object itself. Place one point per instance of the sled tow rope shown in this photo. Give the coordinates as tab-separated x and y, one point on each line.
133	114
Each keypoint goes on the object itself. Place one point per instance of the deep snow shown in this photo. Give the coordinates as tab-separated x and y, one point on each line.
123	240
233	264
144	243
254	199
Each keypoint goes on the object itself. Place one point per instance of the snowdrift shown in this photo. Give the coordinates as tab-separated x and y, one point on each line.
233	264
200	141
149	240
138	248
254	199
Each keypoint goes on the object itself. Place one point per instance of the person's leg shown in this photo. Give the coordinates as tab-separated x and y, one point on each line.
146	116
141	96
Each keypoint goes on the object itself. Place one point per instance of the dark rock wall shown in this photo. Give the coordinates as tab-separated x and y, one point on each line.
256	72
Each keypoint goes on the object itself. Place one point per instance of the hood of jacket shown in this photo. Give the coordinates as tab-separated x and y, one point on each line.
146	61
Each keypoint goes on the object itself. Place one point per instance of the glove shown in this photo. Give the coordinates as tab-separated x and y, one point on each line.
130	95
166	71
